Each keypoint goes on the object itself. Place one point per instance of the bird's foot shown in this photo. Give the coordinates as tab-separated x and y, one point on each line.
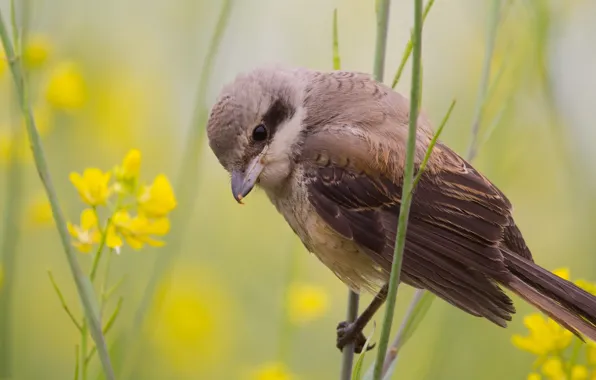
350	333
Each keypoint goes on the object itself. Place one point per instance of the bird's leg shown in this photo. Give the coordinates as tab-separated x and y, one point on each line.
351	332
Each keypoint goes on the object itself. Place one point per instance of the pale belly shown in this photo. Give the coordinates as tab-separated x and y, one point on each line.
348	261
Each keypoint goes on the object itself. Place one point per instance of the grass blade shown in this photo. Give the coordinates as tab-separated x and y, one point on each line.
357	373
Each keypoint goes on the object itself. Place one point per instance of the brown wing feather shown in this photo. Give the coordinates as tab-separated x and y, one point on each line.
456	224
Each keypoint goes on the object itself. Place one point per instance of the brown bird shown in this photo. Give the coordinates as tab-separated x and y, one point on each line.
328	149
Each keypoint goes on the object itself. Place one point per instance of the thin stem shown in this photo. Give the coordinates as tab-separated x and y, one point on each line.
102	244
10	235
104	284
421	294
347	361
336	56
76	371
83	284
381	39
484	80
432	144
406	197
186	185
408	50
63	301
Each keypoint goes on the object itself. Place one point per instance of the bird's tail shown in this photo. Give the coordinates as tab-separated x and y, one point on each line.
563	301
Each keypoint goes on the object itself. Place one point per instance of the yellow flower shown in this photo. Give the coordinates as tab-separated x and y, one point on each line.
3	64
553	369
272	371
36	51
137	231
591	352
534	376
562	272
306	302
86	234
157	200
127	174
66	88
579	372
588	286
92	186
191	318
545	336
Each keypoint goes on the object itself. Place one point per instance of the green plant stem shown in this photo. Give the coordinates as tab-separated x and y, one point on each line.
493	24
383	9
336	56
84	287
406	197
10	234
421	294
347	359
186	186
408	50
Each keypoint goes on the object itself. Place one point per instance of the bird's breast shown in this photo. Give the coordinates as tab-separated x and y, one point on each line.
344	257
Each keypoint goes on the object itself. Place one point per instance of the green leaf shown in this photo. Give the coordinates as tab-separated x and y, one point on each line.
357	372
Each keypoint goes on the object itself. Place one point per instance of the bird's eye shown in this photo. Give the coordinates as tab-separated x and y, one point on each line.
259	133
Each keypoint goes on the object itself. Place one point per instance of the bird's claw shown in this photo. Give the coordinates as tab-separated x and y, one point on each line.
349	333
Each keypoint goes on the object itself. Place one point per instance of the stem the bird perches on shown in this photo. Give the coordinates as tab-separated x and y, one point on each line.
406	197
84	287
347	360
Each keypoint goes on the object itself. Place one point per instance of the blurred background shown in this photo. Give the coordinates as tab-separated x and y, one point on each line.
233	294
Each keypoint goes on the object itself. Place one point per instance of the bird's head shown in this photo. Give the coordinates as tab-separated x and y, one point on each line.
253	127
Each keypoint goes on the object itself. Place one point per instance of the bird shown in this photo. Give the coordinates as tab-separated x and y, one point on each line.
328	149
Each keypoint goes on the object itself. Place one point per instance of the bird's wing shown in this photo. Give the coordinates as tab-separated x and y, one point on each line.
456	224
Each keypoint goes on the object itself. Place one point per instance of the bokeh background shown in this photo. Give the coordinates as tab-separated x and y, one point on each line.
233	295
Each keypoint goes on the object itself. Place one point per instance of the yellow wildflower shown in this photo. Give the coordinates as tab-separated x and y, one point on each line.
591	352
127	174
545	336
86	234
92	186
562	272
306	302
272	371
3	65
553	369
588	286
136	231
191	318
579	372
66	88
157	200
534	376
36	51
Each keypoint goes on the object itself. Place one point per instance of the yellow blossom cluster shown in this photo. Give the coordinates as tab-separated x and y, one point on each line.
305	302
138	213
560	355
63	90
272	371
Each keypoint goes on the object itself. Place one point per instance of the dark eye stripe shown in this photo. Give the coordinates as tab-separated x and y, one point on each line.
279	112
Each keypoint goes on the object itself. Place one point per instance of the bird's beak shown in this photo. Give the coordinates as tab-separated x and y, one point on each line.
243	182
